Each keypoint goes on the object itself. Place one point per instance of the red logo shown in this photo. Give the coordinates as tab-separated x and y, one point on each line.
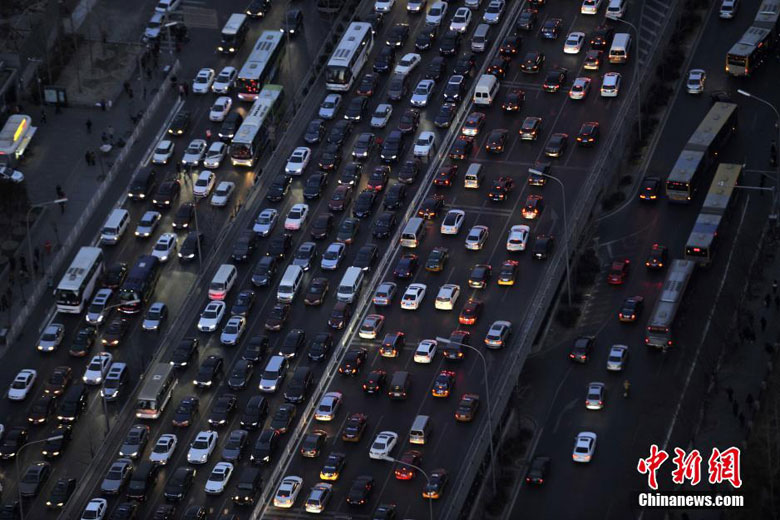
651	464
723	466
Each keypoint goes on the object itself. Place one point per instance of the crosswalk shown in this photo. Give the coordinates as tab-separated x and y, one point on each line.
653	16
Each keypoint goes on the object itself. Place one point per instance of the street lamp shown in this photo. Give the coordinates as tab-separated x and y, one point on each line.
62	200
565	231
18	456
777	143
487	397
633	76
388	458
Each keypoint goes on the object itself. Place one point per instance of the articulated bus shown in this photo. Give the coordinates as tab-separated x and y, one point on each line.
253	134
659	326
755	45
140	284
75	289
702	240
156	391
349	57
701	151
261	66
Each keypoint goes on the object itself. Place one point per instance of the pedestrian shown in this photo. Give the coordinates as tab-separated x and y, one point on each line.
47	247
43	116
130	93
773	154
60	193
104	137
109	104
774	286
93	157
181	91
4	303
126	86
186	89
22	264
62	203
767	301
763	324
88	158
110	134
102	107
208	133
144	93
89	125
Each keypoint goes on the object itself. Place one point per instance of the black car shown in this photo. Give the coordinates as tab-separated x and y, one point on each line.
366	257
223	408
540	466
244	246
293	21
42	408
385	60
240	375
513	101
360	490
393	147
353	361
543	246
551	28
283	418
292	343
57	441
183	216
340	132
375	20
166	194
279	188
321	346
195	512
164	512
264	271
255	412
190	248
396	195
365	144
409	120
445	115
375	381
555	80
581	349
255	349
351	174
398	35
425	37
305	256
314	132
367	85
14	439
650	188
179	484
312	444
556	145
83	342
354	427
180	123
356	108
510	46
61	492
208	372
431	207
601	38
348	230
436	259
315	294
363	204
72	404
409	170
532	62
125	511
143	479
406	266
230	126
450	43
264	447
277	317
321	226
258	8
333	465
186	411
462	148
480	276
589	134
243	304
115	331
456	86
315	185
279	246
340	315
384	224
435	68
397	88
465	64
330	157
115	275
527	19
33	478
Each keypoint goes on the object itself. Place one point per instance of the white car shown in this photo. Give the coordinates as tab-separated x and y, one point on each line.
165	247
452	222
288	491
695	82
728	9
494	11
296	217
573	43
415	6
584	447
383	445
426	351
407	64
220	109
329	106
225	80
617	358
265	222
203	81
460	20
298	160
594	399
381	115
383	6
166	6
328	407
448	295
154	26
194	152
147	224
163	449
477	237
331	258
222	194
590	6
233	330
413	296
371	326
425	144
51	337
518	238
219	478
22	384
215	155
384	294
436	13
202	447
96	509
211	316
610	84
204	184
163	152
97	368
8	174
580	88
318	498
422	92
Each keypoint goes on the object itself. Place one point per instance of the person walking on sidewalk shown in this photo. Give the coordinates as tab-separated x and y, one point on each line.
43	116
88	124
110	130
88	158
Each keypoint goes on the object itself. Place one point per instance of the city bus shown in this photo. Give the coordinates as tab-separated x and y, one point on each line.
233	34
720	197
16	135
701	151
349	57
659	327
75	289
261	66
759	39
140	284
156	391
253	134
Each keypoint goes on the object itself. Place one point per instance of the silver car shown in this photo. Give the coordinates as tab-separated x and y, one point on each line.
215	155
147	224
118	475
194	152
154	316
618	358
330	105
332	256
234	329
695	82
96	312
594	399
265	222
234	445
51	337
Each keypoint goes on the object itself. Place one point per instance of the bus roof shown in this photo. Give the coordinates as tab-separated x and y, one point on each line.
711	126
723	185
264	47
686	165
671	294
234	23
262	106
349	44
140	271
704	231
79	267
768	15
154	381
14	129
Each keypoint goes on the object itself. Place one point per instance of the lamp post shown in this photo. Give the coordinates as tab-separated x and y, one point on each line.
777	143
27	221
633	76
487	398
18	456
388	458
565	232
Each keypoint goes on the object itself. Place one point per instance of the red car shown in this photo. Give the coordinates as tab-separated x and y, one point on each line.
470	312
445	177
618	272
404	472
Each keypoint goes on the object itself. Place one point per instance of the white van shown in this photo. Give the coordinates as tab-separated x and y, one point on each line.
349	287
115	227
291	282
473	177
479	41
413	232
616	9
486	90
222	282
618	53
420	430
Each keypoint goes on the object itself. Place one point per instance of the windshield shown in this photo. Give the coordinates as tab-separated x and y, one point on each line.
338	75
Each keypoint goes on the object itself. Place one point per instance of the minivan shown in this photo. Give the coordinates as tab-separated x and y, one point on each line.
399	385
222	282
298	387
473	177
114	227
413	232
618	52
349	287
273	374
115	380
291	282
486	90
233	34
142	184
479	41
420	430
616	9
249	482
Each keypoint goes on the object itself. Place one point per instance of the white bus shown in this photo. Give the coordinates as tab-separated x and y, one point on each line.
253	134
261	66
16	135
349	57
659	327
156	391
75	289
